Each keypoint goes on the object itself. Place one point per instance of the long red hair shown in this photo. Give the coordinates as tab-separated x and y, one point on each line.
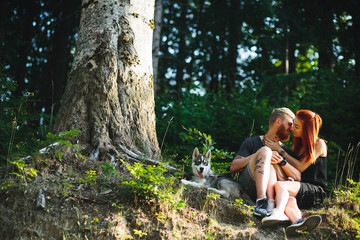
306	143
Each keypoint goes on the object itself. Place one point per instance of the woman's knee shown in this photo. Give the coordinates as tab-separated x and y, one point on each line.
280	185
265	152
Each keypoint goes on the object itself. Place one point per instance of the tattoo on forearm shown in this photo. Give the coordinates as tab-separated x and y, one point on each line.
261	172
257	167
257	161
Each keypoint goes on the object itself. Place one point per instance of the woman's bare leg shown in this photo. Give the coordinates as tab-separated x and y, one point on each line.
292	210
284	190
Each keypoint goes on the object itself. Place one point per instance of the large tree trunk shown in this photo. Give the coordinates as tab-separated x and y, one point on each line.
109	94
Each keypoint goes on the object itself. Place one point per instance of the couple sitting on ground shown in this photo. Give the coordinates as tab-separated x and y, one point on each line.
280	180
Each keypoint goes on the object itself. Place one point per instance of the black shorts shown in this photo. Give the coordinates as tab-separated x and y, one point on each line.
247	183
310	195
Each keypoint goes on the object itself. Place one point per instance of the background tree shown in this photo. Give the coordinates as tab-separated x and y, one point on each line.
66	18
109	95
157	39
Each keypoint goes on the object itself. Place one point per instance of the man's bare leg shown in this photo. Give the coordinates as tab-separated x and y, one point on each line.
260	168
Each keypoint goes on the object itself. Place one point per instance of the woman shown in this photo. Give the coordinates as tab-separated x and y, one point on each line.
311	162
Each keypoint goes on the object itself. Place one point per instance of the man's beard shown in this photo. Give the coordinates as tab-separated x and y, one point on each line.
282	133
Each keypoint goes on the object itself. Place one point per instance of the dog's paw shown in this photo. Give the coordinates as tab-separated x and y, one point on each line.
220	192
226	194
186	182
191	183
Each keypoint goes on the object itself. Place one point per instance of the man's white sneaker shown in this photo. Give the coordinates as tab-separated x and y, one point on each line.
274	218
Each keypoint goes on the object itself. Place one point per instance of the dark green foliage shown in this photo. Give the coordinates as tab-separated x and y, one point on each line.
228	118
325	92
231	118
37	38
64	140
20	131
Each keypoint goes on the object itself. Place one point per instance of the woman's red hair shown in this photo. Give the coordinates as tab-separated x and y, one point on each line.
306	143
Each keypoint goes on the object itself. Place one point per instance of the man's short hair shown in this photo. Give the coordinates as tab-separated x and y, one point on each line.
280	113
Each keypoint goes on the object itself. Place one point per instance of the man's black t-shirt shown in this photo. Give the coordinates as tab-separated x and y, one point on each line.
250	146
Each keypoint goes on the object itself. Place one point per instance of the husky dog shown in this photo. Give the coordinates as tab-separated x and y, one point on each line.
204	177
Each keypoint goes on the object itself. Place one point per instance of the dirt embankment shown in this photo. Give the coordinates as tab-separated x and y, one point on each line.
106	209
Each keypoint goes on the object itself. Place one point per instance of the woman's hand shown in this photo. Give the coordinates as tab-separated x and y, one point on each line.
275	146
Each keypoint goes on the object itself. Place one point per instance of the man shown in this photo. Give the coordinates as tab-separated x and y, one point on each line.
256	162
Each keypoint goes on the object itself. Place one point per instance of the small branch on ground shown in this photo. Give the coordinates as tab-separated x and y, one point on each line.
135	157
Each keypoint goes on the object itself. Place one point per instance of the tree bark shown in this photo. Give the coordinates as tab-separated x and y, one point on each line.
356	41
109	95
157	39
234	39
179	78
325	41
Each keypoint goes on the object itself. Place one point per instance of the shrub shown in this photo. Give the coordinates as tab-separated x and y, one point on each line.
151	184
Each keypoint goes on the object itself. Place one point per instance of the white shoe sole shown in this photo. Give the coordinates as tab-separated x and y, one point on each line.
267	221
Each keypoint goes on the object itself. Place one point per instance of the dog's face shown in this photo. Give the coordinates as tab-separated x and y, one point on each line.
201	163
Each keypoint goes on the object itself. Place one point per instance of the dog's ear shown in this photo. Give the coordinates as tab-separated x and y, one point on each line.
208	154
196	153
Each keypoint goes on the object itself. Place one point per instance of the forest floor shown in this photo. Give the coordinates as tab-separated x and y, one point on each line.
97	206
